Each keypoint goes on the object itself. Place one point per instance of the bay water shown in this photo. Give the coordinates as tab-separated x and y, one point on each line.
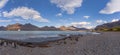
37	36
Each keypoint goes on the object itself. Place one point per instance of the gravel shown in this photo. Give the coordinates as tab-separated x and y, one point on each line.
107	43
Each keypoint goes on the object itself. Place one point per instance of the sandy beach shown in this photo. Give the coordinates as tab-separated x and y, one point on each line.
106	43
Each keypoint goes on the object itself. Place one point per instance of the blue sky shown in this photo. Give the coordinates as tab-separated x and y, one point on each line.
79	13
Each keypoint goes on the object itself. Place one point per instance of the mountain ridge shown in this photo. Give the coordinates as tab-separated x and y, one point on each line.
112	26
31	27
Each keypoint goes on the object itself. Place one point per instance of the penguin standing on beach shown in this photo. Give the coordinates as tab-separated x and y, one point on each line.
1	42
13	44
5	43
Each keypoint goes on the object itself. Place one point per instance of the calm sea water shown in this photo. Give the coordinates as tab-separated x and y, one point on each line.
36	36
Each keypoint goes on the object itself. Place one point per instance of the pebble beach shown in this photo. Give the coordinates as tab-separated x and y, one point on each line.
106	43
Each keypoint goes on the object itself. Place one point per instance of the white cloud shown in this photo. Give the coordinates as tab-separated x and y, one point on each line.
68	5
86	17
59	14
25	13
5	20
82	24
101	21
115	20
112	7
3	3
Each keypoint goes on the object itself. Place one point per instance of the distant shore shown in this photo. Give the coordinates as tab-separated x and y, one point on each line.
106	43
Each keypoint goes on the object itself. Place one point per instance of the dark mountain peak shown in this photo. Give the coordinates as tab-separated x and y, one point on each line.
28	24
2	28
29	27
49	28
52	27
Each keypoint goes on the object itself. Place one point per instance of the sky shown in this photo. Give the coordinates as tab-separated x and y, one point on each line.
79	13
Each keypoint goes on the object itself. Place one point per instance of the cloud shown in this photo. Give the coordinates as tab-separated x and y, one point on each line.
101	21
112	7
115	20
0	14
3	3
25	13
82	24
5	20
59	14
68	5
86	17
90	27
18	20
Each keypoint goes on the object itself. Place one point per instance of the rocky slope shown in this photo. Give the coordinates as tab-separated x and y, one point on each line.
113	26
25	27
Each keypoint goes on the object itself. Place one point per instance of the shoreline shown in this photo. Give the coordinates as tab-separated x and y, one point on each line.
37	44
107	43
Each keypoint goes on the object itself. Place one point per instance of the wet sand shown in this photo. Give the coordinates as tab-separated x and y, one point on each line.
107	43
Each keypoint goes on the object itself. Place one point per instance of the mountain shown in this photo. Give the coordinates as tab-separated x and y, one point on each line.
63	28
14	27
29	27
25	27
72	28
113	26
51	28
2	28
